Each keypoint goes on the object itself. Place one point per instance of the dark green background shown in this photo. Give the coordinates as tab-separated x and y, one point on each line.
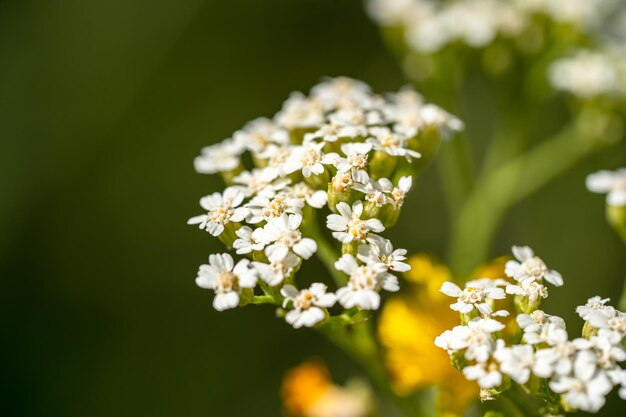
103	105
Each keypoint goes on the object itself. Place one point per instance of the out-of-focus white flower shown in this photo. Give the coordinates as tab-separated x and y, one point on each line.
516	361
226	279
587	75
394	144
258	134
261	182
309	159
348	226
221	157
476	338
364	283
487	374
307	304
380	250
615	323
284	234
221	210
611	183
302	191
530	289
300	112
539	326
595	304
278	269
355	160
530	267
558	359
585	388
472	297
436	117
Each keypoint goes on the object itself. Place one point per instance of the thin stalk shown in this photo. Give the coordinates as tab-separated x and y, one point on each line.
498	191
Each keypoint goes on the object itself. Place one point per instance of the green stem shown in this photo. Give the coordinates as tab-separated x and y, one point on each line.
498	191
360	344
456	169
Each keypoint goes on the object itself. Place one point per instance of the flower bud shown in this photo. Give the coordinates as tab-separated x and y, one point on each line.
382	165
339	190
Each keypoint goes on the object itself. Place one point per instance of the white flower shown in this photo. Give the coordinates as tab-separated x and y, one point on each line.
487	375
374	191
355	117
341	92
221	210
608	349
249	240
263	209
261	182
348	225
307	304
316	199
595	304
441	120
613	183
283	232
221	157
474	296
380	250
309	159
278	269
539	327
530	267
516	361
397	193
586	388
477	338
364	283
355	161
331	132
587	74
393	144
559	357
615	323
300	112
258	134
226	279
532	290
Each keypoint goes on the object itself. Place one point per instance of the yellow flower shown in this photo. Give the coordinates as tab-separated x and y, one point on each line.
303	386
407	328
308	391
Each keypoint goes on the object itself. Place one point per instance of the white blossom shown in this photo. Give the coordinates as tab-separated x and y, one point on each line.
364	283
221	210
262	208
355	160
530	267
309	159
394	144
249	240
278	269
302	191
585	388
611	183
348	226
380	250
226	279
476	338
221	157
475	295
539	326
595	304
307	304
284	234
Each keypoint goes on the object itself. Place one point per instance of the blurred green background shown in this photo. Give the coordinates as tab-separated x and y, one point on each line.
103	105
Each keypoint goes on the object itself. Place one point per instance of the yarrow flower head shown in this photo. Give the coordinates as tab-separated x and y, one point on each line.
611	183
342	148
579	372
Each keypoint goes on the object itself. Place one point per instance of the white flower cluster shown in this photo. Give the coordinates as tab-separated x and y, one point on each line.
430	25
611	183
590	74
581	371
340	148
